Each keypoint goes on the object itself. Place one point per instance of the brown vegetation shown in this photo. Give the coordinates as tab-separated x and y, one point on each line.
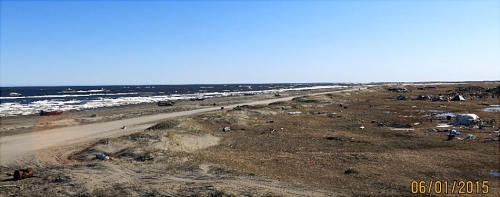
342	144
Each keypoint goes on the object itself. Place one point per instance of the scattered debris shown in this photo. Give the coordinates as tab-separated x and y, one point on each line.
398	89
226	129
318	112
23	173
295	112
467	119
270	121
401	97
362	127
458	98
102	156
452	131
345	139
424	97
469	137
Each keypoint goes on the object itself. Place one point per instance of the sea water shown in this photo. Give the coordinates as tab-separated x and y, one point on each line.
64	98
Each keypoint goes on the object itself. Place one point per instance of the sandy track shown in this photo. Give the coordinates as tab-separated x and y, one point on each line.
14	148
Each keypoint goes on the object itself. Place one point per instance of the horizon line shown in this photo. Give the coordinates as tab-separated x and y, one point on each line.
381	82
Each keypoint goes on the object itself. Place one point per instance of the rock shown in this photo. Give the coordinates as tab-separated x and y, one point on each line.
350	171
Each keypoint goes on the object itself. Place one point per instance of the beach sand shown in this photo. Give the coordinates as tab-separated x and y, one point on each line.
312	145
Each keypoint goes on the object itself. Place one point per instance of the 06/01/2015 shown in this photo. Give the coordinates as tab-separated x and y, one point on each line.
449	187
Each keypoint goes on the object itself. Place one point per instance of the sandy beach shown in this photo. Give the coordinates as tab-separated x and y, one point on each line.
311	143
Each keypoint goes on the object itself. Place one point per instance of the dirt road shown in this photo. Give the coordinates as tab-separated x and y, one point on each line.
14	147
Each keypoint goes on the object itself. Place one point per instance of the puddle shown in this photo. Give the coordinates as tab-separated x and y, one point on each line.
497	174
446	114
492	108
444	125
429	111
437	113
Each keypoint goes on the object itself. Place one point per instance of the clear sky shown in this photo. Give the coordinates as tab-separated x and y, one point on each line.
213	42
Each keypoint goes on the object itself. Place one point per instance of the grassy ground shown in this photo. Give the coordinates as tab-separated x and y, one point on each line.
324	147
273	150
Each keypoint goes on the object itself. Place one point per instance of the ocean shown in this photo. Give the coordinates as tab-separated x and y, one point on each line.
15	101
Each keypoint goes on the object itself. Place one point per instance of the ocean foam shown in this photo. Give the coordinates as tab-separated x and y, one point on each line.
15	109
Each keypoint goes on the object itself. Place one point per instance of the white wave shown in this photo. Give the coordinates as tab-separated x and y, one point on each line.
69	95
14	109
83	91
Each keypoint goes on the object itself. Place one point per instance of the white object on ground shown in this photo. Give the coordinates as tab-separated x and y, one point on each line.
102	156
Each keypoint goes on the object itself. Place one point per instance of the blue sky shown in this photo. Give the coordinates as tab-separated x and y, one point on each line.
212	42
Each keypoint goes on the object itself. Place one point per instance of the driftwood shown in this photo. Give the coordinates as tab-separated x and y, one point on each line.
50	113
18	186
23	173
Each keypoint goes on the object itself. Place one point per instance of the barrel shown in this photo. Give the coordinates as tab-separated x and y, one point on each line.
23	173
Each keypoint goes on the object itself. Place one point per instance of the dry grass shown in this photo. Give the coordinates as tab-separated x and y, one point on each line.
315	150
322	149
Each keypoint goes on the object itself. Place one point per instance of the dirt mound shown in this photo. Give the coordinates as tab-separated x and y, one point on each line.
147	145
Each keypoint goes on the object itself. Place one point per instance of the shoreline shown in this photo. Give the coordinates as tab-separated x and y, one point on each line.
12	125
56	100
88	132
